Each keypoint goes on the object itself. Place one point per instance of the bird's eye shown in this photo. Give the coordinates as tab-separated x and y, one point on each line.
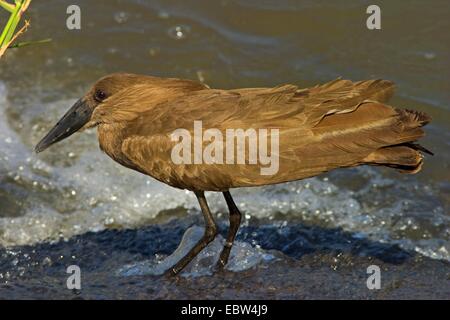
100	95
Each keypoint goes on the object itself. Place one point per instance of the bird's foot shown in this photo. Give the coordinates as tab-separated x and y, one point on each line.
224	256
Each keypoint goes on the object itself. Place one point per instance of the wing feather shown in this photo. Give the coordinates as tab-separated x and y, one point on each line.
337	124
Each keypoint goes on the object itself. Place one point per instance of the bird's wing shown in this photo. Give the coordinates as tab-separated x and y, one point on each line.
342	96
284	106
337	124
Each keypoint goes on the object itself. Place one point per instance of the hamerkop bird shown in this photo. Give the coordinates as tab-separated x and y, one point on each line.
336	125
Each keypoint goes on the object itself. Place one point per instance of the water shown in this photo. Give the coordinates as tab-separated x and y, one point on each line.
73	189
242	257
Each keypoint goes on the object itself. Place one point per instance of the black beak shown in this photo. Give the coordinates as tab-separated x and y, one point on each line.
71	122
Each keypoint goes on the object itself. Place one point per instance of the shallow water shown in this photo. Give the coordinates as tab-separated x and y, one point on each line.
73	189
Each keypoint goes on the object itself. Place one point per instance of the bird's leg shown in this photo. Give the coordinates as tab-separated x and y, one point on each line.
235	221
209	235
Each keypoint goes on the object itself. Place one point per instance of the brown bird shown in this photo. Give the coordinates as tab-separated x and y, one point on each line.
335	125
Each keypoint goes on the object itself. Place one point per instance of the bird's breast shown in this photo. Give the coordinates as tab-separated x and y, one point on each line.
110	138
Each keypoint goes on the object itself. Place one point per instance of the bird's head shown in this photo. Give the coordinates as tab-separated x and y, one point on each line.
80	115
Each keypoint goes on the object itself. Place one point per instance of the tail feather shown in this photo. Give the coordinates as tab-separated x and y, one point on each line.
407	156
354	125
418	118
419	147
403	158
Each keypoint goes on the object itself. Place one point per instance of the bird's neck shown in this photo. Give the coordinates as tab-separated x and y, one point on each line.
110	137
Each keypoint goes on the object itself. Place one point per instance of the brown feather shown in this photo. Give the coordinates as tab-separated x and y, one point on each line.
338	124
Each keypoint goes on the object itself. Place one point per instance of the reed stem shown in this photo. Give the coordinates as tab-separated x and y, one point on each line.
9	34
7	6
